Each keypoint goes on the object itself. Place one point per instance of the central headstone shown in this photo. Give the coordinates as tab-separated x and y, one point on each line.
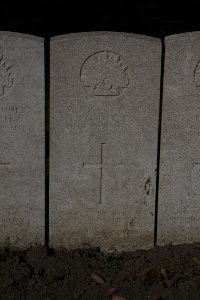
104	119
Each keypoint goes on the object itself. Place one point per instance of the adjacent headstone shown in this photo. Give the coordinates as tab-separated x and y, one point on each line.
179	196
21	139
104	118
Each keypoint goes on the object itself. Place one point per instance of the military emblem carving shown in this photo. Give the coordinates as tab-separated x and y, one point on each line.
104	73
6	76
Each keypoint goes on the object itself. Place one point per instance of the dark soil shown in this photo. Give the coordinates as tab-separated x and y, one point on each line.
170	272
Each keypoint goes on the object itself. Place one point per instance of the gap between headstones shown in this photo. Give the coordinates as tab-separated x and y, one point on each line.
47	136
159	140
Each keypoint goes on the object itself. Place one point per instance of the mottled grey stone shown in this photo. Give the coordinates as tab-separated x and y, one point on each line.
104	119
21	139
179	196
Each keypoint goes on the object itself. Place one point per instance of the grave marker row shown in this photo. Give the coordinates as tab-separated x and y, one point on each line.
104	112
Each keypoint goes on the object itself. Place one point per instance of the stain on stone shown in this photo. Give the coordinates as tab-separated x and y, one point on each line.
147	186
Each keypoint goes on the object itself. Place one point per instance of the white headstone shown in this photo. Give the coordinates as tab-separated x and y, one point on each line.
179	196
104	119
21	139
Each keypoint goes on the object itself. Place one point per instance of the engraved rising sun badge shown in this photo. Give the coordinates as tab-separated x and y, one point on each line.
104	74
6	77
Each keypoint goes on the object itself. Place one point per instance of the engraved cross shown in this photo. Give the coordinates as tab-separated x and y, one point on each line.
5	163
195	164
100	166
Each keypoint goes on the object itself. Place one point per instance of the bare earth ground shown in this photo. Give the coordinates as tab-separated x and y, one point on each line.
170	272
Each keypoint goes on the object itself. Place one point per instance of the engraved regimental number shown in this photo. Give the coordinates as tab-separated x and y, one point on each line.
101	166
104	73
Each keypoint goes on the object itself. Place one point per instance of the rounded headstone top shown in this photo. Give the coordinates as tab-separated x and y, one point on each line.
183	36
105	34
11	34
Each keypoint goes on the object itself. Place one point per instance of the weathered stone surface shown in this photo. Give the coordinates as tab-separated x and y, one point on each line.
179	205
21	139
104	118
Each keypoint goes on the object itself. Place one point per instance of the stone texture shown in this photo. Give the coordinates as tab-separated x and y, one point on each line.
179	205
21	139
104	119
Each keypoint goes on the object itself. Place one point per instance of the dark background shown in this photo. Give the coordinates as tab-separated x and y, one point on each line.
53	17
